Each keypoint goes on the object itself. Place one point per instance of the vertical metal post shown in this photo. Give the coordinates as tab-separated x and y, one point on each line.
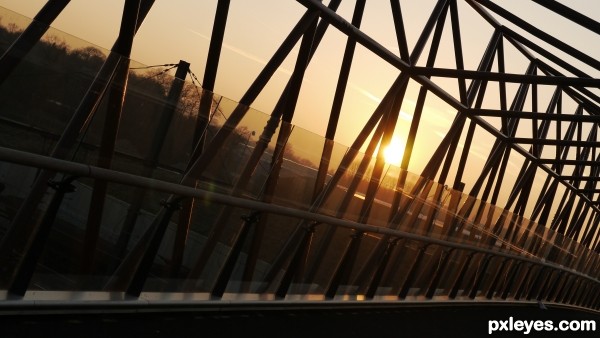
585	291
496	279
151	161
458	52
344	267
412	273
206	99
135	278
400	31
523	282
109	136
593	297
208	81
383	263
587	295
461	87
573	291
515	269
397	259
592	267
536	288
557	283
565	288
461	275
224	274
33	251
172	99
437	275
480	276
389	125
509	127
434	20
589	229
338	99
296	266
545	288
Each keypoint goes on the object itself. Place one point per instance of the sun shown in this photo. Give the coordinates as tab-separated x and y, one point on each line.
394	151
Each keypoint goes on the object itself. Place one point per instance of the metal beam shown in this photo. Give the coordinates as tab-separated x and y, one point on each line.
506	77
535	115
570	14
539	33
526	140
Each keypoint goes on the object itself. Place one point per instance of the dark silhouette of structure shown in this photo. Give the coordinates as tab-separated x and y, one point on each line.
143	193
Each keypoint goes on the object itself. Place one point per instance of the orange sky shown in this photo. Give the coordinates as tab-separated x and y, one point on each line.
179	29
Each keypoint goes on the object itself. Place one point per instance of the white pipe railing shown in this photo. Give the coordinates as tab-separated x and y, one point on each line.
85	170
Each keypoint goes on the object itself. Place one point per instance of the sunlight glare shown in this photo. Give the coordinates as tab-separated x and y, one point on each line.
394	151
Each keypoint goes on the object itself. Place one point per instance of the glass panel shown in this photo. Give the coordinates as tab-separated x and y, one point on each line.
257	158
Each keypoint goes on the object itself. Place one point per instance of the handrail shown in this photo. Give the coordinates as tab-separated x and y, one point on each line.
85	170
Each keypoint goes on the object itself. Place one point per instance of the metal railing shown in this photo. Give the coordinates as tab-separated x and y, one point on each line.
531	277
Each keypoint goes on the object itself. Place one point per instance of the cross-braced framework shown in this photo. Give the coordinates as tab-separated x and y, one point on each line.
505	205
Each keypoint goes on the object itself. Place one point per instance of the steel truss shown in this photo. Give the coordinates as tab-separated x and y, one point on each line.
535	249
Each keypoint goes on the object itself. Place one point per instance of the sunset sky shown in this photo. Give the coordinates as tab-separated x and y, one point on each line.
180	29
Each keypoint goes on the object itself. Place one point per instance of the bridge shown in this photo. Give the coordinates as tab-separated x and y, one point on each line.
131	189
